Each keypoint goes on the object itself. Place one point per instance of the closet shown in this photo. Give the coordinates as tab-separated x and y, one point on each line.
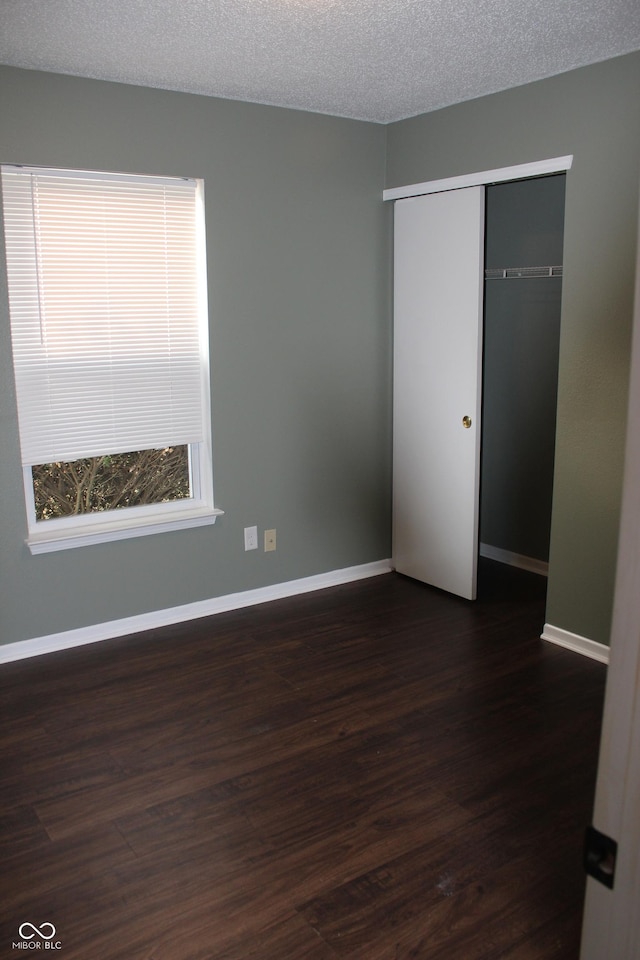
523	287
478	275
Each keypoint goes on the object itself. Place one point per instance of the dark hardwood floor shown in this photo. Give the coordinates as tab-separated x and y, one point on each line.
377	771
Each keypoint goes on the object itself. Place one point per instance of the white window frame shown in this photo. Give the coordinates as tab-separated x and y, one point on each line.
63	533
45	536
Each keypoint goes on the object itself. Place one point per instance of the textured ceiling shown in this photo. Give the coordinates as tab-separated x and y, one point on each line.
378	60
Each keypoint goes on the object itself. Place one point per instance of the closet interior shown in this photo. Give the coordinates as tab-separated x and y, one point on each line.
522	300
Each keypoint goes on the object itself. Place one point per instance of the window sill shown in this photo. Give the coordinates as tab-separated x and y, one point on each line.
70	537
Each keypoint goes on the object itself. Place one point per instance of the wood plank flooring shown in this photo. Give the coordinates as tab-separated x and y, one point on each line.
378	771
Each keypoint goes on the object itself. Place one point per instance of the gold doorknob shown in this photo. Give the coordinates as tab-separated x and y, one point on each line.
466	422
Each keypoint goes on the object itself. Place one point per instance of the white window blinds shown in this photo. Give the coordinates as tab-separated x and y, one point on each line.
108	312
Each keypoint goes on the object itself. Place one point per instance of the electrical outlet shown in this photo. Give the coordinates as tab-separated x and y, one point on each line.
251	538
269	540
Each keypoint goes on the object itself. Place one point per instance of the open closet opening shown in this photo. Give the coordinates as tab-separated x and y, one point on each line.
524	227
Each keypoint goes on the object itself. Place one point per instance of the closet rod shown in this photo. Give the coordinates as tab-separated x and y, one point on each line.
515	273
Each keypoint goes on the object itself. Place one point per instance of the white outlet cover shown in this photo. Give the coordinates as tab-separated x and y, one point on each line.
251	538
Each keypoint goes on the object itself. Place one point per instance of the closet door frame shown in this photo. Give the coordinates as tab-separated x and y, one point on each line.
523	171
423	408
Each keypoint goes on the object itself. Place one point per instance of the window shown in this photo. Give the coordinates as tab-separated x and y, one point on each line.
109	326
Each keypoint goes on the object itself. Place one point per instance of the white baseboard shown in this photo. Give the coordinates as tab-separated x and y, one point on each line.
573	641
189	611
514	559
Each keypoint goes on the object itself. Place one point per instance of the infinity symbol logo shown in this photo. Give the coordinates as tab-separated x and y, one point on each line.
39	931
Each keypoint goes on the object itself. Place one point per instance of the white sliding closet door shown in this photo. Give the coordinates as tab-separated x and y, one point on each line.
438	288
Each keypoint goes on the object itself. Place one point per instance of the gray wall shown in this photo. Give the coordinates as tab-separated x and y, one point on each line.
593	114
524	228
299	258
299	300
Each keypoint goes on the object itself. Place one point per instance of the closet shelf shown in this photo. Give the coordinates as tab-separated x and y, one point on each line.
521	273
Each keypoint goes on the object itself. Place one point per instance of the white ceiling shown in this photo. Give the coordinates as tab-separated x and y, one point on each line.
379	60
